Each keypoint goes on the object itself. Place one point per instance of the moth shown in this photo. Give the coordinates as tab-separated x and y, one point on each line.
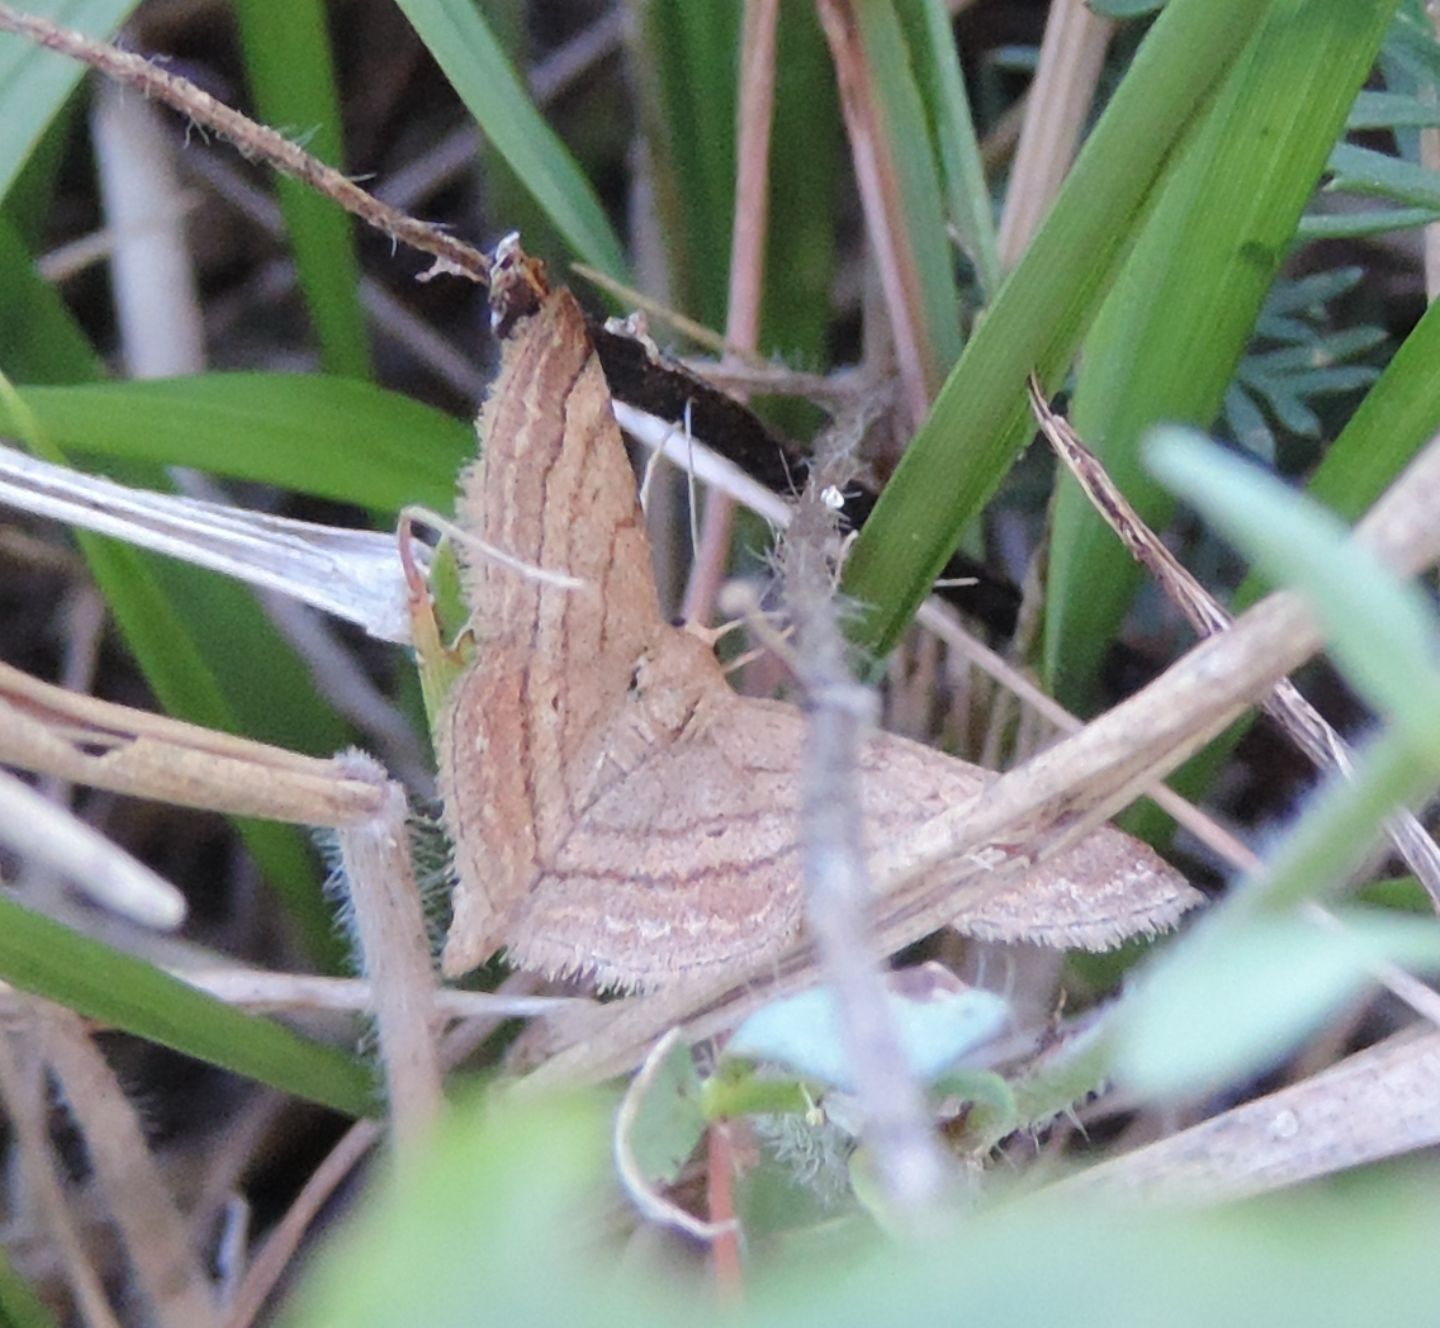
617	810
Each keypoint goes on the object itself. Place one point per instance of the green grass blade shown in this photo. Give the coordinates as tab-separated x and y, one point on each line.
457	35
980	418
1398	416
942	85
332	437
40	956
805	161
288	62
35	83
903	119
208	650
1167	341
687	65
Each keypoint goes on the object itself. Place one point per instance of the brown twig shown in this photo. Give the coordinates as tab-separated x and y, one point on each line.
253	141
1306	727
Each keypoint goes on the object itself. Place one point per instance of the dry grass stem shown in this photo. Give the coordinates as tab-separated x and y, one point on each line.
1072	55
395	954
1296	716
44	833
264	992
351	574
49	730
1378	1103
23	1095
877	175
152	278
156	1237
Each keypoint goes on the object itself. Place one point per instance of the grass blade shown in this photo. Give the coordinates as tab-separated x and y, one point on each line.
942	85
35	83
42	957
457	35
288	61
217	662
1167	341
331	437
980	417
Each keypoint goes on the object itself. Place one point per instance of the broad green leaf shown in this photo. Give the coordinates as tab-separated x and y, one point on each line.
292	76
980	418
458	37
35	83
1166	344
803	1032
494	1225
40	956
331	437
1234	999
498	1225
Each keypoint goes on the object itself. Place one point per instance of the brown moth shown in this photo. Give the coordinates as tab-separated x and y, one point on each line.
617	809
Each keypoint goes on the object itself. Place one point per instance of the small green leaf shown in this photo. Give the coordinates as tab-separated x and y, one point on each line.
1357	170
1125	8
1389	110
1357	225
668	1120
803	1032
